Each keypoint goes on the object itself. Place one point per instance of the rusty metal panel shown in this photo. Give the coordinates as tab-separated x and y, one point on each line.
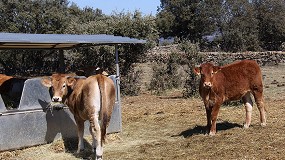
29	125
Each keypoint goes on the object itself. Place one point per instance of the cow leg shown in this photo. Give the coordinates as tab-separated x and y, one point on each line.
214	115
209	121
248	108
80	132
93	138
96	130
208	112
258	96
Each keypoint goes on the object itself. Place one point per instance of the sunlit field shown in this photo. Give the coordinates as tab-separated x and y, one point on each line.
172	127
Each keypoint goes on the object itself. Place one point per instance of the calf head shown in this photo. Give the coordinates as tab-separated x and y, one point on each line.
60	85
207	71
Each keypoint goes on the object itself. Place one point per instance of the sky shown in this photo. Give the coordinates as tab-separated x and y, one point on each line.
108	6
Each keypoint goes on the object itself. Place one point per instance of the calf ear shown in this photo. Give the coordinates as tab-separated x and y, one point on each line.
71	81
197	70
216	69
46	81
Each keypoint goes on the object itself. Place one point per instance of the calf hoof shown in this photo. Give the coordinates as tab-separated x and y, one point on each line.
246	126
99	157
263	124
212	133
79	150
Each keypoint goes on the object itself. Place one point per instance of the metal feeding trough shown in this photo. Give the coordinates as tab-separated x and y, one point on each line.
31	124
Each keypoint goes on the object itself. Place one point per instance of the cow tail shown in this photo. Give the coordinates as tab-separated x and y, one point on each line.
103	112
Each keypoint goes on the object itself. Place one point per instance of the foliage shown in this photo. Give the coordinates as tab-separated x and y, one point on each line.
183	18
192	58
166	74
50	16
233	25
131	82
176	70
158	83
271	20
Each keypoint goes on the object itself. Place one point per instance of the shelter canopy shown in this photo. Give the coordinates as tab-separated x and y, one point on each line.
60	41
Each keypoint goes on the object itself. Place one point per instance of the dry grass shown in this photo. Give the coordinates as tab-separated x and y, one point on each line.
171	127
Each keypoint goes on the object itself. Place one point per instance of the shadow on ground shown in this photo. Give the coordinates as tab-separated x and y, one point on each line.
203	129
70	145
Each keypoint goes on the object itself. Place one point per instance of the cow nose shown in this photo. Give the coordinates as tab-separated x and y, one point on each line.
207	84
56	99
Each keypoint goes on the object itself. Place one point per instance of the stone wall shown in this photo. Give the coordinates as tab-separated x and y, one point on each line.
262	58
220	58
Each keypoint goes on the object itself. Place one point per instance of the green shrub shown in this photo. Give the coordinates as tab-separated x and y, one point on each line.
158	83
192	58
165	74
130	83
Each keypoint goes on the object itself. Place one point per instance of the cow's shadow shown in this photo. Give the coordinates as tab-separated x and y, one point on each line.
203	129
59	121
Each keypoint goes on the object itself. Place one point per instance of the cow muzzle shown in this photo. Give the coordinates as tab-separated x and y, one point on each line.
56	99
56	103
207	84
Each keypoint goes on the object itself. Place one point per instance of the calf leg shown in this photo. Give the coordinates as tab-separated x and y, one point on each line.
214	115
209	121
208	113
80	132
248	109
93	138
96	130
258	96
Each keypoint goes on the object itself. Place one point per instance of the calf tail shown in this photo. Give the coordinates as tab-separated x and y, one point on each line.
103	111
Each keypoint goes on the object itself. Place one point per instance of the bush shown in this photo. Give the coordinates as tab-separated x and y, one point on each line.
166	74
130	83
158	83
192	58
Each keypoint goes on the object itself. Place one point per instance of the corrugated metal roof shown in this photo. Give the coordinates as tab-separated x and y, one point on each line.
59	41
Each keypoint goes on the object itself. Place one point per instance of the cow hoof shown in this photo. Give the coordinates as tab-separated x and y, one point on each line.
79	150
99	157
263	124
245	126
212	133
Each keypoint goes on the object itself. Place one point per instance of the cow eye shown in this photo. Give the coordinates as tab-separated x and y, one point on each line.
64	85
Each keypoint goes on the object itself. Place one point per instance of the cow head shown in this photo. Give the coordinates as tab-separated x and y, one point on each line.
60	85
207	71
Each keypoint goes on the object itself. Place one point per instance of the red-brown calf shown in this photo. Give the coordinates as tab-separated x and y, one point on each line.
234	81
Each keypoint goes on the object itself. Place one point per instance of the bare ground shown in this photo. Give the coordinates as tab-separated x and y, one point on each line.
171	127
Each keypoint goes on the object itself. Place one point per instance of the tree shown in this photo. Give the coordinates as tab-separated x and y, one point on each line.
239	27
189	19
271	18
236	25
53	16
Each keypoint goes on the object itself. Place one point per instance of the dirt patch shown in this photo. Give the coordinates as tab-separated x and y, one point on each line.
171	127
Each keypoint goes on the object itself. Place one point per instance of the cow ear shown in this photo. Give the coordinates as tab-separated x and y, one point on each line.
46	81
197	70
216	69
71	81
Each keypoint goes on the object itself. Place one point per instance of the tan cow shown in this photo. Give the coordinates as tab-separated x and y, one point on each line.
91	99
227	83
